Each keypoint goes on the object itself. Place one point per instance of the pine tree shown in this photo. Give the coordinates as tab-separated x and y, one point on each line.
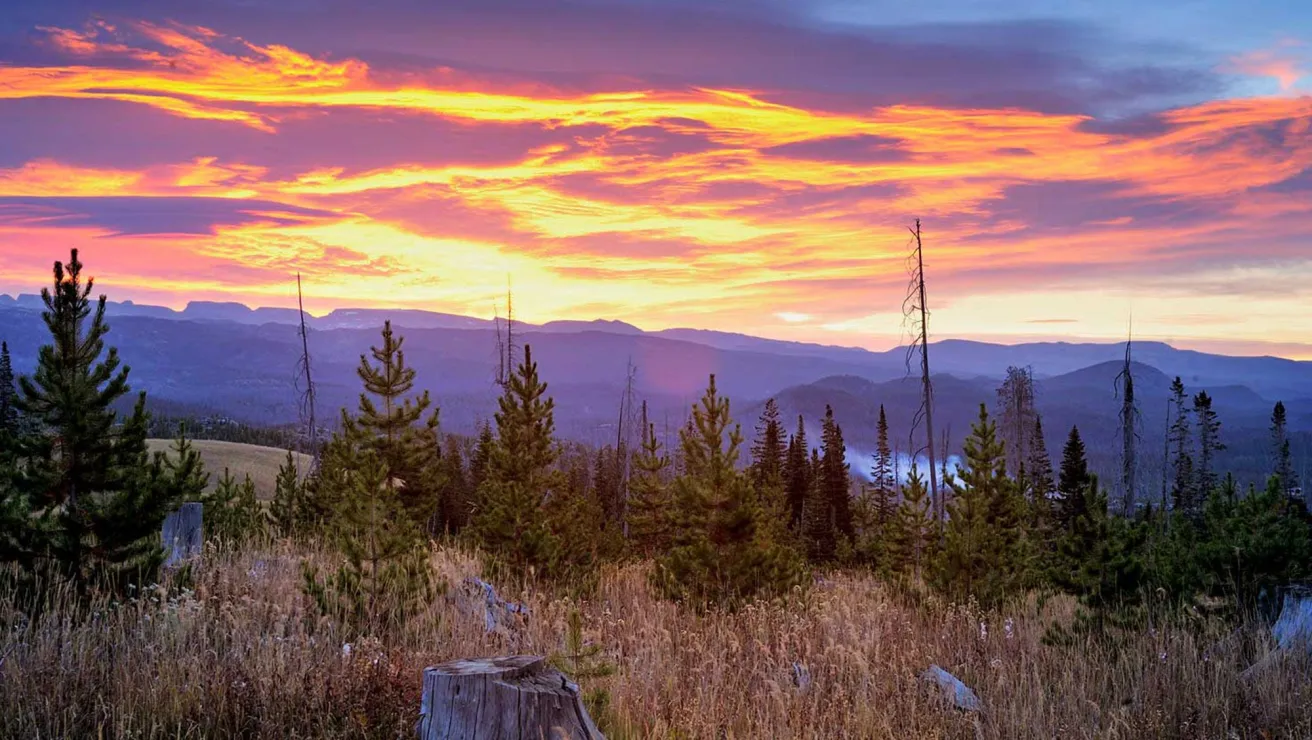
1100	563
1072	481
1209	442
883	484
819	530
88	499
482	455
8	395
911	538
797	475
385	577
835	478
982	556
722	551
1284	463
185	469
1184	496
288	511
769	453
457	494
649	503
511	525
232	511
1039	467
388	423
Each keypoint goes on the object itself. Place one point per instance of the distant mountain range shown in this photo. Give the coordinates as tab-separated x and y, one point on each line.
241	362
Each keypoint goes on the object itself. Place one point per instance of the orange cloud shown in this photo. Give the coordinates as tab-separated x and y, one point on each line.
677	206
1282	64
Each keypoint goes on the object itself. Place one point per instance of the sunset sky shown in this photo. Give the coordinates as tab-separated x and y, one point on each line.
743	165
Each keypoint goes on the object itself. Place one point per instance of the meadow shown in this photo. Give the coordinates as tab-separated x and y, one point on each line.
234	652
261	463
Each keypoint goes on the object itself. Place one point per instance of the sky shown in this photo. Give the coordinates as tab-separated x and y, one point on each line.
1081	170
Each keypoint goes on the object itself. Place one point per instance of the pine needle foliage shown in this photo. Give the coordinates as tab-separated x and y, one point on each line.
722	552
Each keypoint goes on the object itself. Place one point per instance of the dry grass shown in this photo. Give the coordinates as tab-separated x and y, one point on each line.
261	463
237	658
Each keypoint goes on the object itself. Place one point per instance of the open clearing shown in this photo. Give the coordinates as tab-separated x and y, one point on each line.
261	463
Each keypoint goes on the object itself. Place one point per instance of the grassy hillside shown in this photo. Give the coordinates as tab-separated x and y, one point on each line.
261	463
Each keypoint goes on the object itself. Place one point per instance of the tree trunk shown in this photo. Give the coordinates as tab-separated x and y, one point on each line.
515	698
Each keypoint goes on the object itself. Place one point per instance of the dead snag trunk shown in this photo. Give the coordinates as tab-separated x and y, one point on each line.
514	698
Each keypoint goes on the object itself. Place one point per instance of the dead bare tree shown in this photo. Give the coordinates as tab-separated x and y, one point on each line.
506	344
1129	423
916	312
622	442
1016	416
307	395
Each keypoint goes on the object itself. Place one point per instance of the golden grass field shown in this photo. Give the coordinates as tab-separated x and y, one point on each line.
239	656
261	463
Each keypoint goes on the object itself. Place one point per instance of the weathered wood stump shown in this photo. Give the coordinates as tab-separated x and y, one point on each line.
515	698
182	534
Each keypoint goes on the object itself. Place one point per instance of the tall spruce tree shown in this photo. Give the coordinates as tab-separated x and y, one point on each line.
1072	481
88	499
723	552
982	553
883	484
1209	443
511	524
649	512
1039	478
1284	462
1184	496
835	477
457	495
769	453
388	423
819	531
797	474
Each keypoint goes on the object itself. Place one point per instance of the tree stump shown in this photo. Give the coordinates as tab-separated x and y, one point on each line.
515	698
182	534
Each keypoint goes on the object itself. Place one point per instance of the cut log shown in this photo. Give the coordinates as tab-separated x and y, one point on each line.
513	698
182	534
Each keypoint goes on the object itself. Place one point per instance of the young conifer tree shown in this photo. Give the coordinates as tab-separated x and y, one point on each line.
982	555
385	577
836	479
388	423
185	469
289	511
649	503
232	511
910	538
722	552
511	524
88	499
